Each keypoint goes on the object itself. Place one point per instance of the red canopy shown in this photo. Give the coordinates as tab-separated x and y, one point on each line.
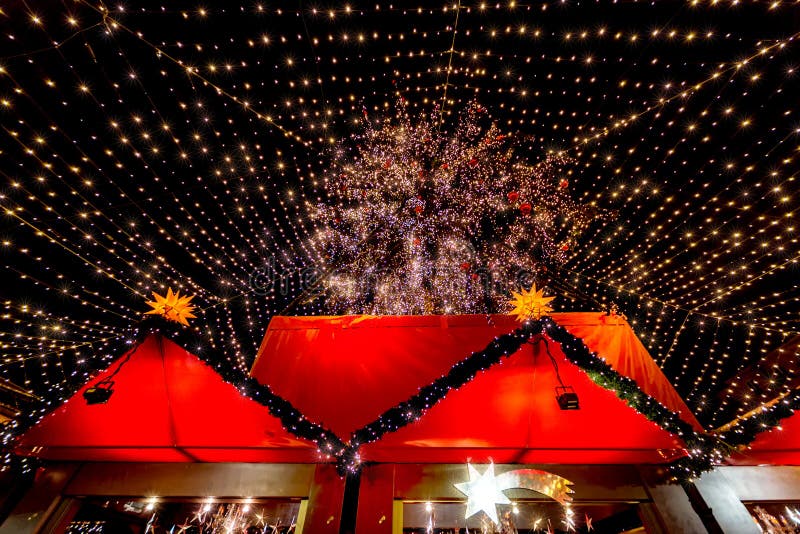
344	372
778	446
167	406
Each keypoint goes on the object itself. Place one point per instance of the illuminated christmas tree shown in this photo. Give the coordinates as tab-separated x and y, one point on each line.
420	220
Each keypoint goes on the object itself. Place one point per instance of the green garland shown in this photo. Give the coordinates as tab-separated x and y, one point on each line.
291	418
745	430
704	451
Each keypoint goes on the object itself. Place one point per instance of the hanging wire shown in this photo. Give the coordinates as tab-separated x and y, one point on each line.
109	380
542	339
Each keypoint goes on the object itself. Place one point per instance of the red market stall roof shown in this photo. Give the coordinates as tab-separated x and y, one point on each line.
778	446
343	372
167	406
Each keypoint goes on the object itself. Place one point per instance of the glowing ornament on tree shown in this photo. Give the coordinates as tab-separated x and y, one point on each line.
485	491
172	307
531	304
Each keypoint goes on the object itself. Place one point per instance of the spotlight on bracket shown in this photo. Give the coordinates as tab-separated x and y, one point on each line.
99	393
567	398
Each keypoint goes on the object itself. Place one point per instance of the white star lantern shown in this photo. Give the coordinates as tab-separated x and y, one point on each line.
483	493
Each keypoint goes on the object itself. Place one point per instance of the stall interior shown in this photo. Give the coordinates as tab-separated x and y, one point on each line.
99	515
521	517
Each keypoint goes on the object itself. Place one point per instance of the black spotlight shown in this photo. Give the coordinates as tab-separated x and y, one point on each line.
99	393
567	398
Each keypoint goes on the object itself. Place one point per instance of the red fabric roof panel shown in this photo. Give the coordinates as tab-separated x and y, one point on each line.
167	406
509	414
344	372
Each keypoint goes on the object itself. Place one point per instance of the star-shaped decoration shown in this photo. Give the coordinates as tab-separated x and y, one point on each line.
200	515
172	307
483	494
260	519
530	304
150	527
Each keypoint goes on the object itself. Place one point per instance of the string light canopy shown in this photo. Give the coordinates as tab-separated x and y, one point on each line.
186	146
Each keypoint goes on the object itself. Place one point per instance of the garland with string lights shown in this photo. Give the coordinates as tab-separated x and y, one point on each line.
744	431
703	451
290	417
412	409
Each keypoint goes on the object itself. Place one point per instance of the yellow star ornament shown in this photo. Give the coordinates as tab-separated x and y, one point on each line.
173	307
531	304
